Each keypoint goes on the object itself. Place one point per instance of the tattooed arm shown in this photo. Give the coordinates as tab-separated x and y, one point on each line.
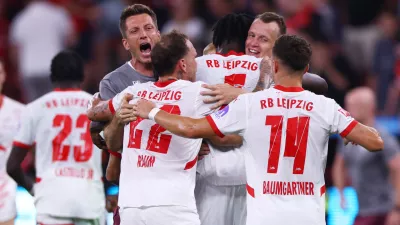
265	80
100	112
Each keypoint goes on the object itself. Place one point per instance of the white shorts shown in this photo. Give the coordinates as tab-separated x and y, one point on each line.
8	190
221	205
159	215
44	219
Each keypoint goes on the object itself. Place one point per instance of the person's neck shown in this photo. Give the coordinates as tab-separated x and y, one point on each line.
226	48
144	68
168	77
67	85
288	80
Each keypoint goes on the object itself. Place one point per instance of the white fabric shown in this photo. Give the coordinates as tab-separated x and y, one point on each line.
10	115
223	205
225	166
40	32
159	169
47	219
158	215
274	125
68	165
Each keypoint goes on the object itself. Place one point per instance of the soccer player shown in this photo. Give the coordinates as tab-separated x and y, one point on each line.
221	184
138	26
68	187
10	116
158	169
261	37
285	131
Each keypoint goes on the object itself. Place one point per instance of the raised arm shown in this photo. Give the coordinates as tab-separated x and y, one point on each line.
179	125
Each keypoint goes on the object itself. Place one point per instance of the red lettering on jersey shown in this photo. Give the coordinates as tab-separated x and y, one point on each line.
309	106
299	104
157	96
237	63
166	97
244	64
254	66
146	161
139	93
288	188
262	103
209	63
235	80
216	63
48	104
75	172
144	93
177	95
270	102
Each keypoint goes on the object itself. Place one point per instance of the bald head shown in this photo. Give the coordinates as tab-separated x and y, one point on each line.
361	103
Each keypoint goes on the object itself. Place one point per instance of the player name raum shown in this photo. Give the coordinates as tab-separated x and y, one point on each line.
288	188
146	161
286	103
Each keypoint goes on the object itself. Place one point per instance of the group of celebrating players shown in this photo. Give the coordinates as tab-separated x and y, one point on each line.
230	137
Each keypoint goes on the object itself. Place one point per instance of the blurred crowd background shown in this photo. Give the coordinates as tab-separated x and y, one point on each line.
355	42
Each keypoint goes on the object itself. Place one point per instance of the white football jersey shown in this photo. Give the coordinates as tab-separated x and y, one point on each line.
225	165
158	168
68	165
10	115
285	132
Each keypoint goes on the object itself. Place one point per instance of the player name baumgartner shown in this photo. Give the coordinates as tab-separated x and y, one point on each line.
286	103
288	188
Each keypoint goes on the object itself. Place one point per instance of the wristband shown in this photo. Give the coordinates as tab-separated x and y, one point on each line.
153	113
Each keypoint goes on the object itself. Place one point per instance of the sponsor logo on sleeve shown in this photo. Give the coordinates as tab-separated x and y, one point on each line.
344	112
222	112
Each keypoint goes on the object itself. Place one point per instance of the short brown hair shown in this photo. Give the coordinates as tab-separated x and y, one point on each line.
293	51
269	17
132	10
168	51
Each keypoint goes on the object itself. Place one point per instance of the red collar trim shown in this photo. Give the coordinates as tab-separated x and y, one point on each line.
1	100
164	83
231	53
289	89
66	89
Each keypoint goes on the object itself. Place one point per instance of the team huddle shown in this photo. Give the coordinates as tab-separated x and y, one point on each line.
236	136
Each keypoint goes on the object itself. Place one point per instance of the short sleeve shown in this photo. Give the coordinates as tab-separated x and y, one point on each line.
202	109
106	90
230	119
25	137
342	122
115	103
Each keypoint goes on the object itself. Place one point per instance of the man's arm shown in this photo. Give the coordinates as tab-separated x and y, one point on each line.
366	136
113	168
182	126
14	168
114	135
100	112
266	75
231	140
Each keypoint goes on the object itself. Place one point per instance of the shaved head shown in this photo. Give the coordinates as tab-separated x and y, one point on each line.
361	103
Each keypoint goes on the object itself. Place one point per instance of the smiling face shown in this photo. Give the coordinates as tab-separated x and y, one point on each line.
261	38
141	34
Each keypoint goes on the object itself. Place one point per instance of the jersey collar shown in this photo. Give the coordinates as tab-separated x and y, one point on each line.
288	89
66	89
164	83
231	53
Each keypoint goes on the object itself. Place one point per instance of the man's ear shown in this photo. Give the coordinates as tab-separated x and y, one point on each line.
125	44
276	66
307	68
182	65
